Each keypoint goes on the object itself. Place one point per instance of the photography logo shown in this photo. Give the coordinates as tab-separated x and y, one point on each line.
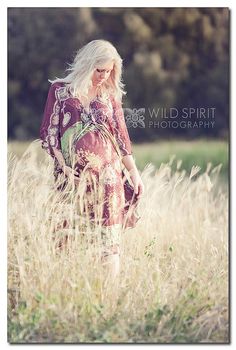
135	117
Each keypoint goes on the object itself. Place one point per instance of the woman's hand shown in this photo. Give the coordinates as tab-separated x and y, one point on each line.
129	163
71	174
137	182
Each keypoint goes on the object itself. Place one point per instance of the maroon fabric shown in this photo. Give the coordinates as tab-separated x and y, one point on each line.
98	139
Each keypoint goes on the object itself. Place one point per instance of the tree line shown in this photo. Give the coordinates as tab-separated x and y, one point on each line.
175	60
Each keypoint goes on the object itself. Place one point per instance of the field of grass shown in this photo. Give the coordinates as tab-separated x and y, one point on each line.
191	153
173	283
199	152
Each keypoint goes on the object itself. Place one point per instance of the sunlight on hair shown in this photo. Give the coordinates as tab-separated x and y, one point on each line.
87	59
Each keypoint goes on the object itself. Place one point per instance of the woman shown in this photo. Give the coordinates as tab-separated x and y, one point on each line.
83	129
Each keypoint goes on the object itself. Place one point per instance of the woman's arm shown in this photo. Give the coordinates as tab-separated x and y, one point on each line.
129	163
66	169
124	143
49	131
59	157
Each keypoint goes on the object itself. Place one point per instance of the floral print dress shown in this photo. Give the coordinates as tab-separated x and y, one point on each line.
93	143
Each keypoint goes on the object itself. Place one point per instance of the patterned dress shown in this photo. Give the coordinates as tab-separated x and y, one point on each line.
93	143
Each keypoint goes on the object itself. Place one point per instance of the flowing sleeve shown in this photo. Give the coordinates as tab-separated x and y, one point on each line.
120	129
49	130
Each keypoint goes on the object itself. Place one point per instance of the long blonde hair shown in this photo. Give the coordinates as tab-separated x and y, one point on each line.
87	59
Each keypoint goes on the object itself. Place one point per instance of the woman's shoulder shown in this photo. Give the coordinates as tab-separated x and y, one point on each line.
61	90
56	85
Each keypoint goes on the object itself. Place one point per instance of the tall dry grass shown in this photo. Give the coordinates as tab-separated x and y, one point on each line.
173	283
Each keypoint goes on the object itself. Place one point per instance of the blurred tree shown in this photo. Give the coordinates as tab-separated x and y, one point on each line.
173	57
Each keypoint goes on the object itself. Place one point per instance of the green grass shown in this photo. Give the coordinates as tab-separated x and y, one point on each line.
177	325
191	153
198	152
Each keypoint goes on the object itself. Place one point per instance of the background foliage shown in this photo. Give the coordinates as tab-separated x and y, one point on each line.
175	57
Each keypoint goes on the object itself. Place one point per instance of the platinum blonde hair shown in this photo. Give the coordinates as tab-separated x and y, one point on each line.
87	60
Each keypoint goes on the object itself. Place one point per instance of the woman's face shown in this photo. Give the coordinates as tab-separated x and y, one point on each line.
102	73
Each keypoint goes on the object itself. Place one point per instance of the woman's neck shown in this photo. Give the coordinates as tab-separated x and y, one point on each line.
93	92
